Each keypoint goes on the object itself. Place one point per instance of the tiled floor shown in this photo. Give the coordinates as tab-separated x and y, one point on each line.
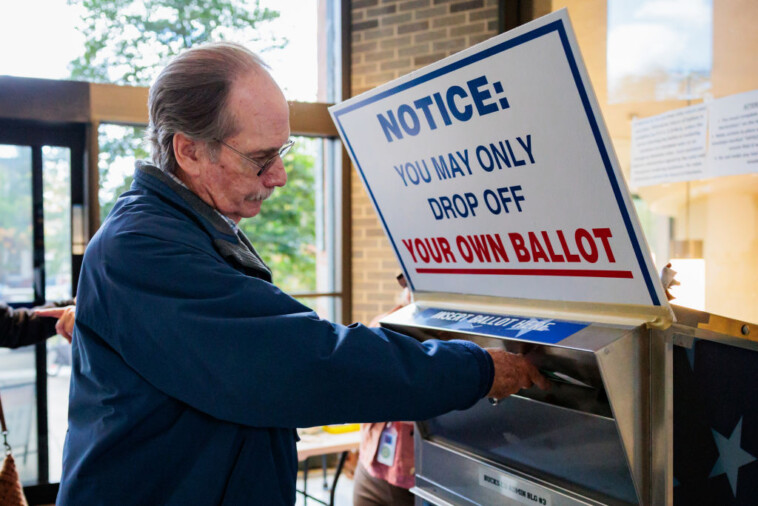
343	496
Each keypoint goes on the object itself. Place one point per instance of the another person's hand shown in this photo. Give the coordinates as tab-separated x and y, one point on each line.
668	280
405	298
512	373
65	315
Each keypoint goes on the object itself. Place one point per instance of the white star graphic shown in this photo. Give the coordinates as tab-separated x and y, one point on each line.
530	325
465	325
731	456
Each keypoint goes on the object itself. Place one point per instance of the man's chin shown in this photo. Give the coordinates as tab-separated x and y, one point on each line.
251	208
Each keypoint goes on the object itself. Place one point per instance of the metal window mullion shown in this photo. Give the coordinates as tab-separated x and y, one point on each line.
313	295
345	216
79	196
331	195
40	350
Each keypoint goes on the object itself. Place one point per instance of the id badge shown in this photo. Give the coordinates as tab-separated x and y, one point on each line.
387	445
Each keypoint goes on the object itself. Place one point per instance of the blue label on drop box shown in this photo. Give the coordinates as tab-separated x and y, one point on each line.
539	330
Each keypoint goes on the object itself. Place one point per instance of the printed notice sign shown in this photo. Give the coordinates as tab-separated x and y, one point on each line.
698	142
669	147
734	135
493	174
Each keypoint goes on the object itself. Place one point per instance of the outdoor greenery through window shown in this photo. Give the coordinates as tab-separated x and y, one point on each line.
284	232
294	232
120	146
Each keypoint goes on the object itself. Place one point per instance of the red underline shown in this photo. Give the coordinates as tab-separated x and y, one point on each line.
580	273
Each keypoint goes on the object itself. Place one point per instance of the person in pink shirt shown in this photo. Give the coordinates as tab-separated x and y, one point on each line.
385	463
375	482
385	468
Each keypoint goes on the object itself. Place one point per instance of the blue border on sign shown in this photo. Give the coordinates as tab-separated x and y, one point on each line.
555	26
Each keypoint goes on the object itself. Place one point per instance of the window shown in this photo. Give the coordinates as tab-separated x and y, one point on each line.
16	267
17	369
659	50
296	231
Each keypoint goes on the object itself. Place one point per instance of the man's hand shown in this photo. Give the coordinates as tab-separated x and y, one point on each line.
65	315
512	373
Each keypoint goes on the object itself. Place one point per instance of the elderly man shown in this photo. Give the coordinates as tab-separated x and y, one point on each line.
191	369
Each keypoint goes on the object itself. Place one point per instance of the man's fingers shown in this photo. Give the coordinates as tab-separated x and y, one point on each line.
539	379
525	383
60	328
65	324
52	312
513	372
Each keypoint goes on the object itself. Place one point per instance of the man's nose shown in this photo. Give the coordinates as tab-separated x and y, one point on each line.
276	175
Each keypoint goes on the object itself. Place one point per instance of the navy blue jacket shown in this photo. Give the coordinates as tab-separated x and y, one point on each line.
191	369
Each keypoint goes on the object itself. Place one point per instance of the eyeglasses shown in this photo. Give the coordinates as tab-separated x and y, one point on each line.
265	165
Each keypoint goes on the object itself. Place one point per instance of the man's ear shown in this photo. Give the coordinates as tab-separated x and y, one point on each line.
189	153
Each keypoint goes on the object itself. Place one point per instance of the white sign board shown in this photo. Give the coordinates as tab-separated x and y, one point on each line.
493	174
734	135
669	147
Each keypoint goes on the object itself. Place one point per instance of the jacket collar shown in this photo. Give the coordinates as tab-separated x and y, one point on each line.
229	241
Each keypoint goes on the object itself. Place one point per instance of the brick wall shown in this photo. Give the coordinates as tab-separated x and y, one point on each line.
390	39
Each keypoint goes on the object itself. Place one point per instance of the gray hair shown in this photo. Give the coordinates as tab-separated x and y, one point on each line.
190	95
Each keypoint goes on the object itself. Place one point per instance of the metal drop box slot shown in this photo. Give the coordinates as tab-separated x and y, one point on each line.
594	438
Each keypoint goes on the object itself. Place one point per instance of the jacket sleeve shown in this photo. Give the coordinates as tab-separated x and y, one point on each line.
239	349
21	327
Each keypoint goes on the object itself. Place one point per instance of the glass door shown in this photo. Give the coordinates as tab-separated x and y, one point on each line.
57	210
17	367
41	204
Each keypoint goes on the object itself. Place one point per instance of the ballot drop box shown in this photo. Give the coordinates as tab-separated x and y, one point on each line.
494	177
599	435
604	432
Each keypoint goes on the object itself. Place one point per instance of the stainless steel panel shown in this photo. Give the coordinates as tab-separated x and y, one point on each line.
575	451
456	478
661	417
625	366
608	441
423	496
596	337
